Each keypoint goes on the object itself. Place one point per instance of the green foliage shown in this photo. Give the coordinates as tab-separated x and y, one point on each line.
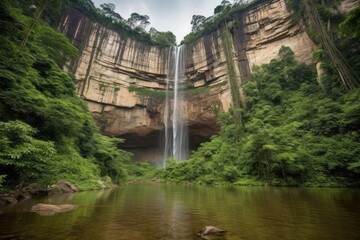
111	159
337	36
56	45
140	171
233	81
205	88
162	38
24	158
46	131
351	26
196	22
203	26
147	91
2	179
134	27
295	133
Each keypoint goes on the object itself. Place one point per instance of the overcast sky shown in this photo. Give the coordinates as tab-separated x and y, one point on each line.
165	15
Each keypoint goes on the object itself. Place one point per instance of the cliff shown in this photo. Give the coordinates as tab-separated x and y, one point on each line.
110	64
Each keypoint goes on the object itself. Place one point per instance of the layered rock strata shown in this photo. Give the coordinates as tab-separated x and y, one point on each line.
114	72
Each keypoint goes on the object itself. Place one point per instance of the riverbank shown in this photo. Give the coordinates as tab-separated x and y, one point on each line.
37	190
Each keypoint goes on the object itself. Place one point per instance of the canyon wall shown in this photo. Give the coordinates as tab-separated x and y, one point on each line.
116	73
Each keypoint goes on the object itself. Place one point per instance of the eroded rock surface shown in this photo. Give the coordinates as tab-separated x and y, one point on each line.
110	64
64	187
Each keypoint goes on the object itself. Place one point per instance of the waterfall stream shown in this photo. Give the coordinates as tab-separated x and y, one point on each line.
175	113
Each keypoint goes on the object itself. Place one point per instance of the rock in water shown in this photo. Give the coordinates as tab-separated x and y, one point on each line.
207	230
49	209
7	201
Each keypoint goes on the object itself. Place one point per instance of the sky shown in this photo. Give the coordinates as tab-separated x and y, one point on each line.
165	15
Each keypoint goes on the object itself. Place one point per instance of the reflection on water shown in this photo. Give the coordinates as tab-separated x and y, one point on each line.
159	211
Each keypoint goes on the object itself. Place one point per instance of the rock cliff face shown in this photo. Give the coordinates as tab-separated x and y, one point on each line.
347	5
111	66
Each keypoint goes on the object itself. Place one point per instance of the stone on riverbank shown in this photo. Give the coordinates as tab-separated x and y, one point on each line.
7	201
64	187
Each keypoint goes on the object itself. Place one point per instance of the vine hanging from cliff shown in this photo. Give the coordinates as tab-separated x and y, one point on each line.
345	71
317	17
234	85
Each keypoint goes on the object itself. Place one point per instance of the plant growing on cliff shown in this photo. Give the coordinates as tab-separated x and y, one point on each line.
320	17
142	91
46	131
205	26
233	81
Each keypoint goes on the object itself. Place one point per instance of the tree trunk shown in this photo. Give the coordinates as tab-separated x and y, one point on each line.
35	19
348	78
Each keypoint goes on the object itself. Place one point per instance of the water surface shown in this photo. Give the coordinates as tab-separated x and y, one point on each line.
159	211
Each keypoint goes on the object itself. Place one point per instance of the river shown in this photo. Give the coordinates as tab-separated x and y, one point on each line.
161	211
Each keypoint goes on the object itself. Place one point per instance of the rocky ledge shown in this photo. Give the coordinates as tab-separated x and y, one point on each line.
36	190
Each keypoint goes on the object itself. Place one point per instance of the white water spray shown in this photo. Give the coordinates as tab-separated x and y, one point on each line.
176	136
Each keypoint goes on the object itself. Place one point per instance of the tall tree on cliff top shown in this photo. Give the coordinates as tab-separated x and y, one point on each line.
219	8
108	9
138	21
196	22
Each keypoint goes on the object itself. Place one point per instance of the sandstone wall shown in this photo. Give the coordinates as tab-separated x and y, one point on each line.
347	5
110	63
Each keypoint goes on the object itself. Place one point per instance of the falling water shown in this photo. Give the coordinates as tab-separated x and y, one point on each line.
168	134
176	135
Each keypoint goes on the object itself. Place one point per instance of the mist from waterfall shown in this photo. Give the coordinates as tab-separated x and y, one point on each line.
175	113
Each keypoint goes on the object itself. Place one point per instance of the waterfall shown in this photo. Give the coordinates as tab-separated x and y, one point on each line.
176	131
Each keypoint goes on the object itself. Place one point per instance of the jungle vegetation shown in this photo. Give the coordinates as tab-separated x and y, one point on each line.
46	130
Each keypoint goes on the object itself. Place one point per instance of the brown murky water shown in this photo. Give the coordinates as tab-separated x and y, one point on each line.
159	211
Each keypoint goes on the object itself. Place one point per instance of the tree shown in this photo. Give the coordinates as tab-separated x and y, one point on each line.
137	21
196	22
348	77
225	3
153	33
23	157
108	10
218	9
162	38
351	26
34	21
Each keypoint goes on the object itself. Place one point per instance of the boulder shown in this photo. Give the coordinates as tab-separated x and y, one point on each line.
65	187
35	189
209	230
50	209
